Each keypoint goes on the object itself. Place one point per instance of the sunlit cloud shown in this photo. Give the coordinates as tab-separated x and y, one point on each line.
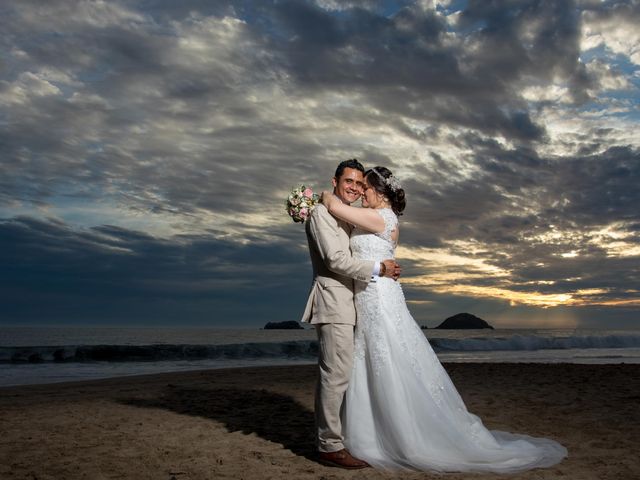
577	298
613	28
438	258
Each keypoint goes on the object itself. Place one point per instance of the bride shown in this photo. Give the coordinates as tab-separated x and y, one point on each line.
402	410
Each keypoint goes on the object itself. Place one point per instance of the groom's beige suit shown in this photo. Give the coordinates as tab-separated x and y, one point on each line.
331	309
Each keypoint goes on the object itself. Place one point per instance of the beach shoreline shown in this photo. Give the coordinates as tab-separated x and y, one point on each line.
257	422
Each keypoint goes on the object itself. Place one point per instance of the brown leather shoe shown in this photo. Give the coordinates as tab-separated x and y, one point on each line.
341	459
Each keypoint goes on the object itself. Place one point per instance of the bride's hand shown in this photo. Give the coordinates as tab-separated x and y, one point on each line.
326	198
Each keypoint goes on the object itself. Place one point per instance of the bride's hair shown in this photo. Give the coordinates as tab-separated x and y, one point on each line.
383	181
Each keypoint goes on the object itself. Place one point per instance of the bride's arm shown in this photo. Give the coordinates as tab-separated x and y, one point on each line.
365	218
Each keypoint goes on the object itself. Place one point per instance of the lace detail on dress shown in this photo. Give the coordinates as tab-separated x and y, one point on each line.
390	223
375	246
371	298
369	339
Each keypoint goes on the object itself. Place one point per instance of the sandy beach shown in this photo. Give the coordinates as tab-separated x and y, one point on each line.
257	423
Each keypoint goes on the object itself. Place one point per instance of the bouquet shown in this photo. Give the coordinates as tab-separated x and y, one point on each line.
300	202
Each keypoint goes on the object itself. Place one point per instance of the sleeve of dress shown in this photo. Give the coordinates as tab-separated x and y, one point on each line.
334	255
390	222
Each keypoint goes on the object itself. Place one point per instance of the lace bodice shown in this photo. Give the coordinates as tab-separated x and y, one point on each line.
375	246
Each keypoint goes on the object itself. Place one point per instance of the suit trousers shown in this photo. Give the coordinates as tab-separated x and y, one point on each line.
335	361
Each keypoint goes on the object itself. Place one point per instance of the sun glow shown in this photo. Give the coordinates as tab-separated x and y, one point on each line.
452	273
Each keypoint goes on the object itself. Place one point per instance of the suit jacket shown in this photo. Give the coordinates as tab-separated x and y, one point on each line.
334	269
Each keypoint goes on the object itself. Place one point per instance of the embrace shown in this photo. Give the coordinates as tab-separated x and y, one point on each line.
383	399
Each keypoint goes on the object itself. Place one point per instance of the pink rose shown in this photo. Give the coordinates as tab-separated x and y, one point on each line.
304	212
307	192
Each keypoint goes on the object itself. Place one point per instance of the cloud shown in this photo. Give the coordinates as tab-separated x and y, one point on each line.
182	125
612	25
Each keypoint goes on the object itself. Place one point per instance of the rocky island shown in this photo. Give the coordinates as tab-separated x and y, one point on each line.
464	321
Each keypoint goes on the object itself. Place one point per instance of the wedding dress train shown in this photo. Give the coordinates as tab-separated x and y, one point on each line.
402	411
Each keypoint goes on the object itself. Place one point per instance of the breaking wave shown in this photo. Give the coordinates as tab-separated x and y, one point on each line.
290	349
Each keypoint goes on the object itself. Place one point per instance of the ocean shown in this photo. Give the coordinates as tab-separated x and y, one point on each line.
36	355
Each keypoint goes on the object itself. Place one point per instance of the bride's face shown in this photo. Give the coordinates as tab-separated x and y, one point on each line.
370	198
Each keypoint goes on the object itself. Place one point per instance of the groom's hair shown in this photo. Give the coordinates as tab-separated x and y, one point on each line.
351	163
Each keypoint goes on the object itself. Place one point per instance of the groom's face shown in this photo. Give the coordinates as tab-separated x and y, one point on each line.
349	186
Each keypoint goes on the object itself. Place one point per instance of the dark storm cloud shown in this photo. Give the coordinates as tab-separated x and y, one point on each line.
126	78
412	65
129	72
52	272
539	38
624	10
571	191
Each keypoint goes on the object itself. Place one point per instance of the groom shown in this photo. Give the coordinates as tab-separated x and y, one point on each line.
331	309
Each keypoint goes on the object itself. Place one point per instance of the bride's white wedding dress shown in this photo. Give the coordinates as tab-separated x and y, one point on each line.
402	411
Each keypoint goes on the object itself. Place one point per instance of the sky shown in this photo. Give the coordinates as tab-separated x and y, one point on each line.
147	147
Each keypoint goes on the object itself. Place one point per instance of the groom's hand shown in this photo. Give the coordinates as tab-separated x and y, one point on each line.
391	269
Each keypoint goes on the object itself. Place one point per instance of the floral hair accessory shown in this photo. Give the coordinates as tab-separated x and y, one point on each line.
391	182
